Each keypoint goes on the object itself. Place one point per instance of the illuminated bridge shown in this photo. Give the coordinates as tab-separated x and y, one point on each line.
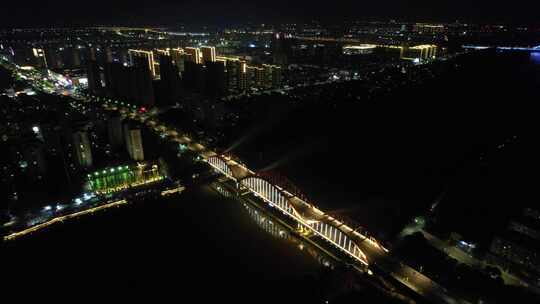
356	245
294	205
284	198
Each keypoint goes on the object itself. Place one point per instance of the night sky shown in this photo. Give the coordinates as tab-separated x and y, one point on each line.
227	12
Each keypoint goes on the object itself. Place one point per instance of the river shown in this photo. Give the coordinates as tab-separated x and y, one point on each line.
199	244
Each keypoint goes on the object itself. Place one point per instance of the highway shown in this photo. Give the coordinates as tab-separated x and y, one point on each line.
465	258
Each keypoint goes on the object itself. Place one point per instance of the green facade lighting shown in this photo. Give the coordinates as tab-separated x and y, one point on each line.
122	177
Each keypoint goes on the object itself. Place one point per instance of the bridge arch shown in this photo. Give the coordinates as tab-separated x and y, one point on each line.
279	194
221	165
340	239
320	225
269	192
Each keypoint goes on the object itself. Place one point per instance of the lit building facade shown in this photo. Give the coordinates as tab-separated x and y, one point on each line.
202	70
422	52
114	179
208	54
236	74
40	58
148	57
193	54
273	76
362	49
426	28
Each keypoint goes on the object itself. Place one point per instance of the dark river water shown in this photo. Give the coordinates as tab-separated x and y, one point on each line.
385	161
199	245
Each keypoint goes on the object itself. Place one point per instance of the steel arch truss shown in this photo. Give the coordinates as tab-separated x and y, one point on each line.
276	197
339	239
221	165
269	193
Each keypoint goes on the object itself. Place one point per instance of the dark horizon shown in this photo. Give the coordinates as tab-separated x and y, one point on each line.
171	13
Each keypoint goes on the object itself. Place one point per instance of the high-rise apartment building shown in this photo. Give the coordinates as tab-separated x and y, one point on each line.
282	48
255	76
82	148
134	143
236	74
193	76
208	54
421	52
178	57
426	28
94	77
169	84
114	131
144	56
193	55
272	76
215	78
142	86
40	58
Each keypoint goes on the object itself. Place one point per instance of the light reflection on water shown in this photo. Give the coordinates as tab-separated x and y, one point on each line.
279	231
535	57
